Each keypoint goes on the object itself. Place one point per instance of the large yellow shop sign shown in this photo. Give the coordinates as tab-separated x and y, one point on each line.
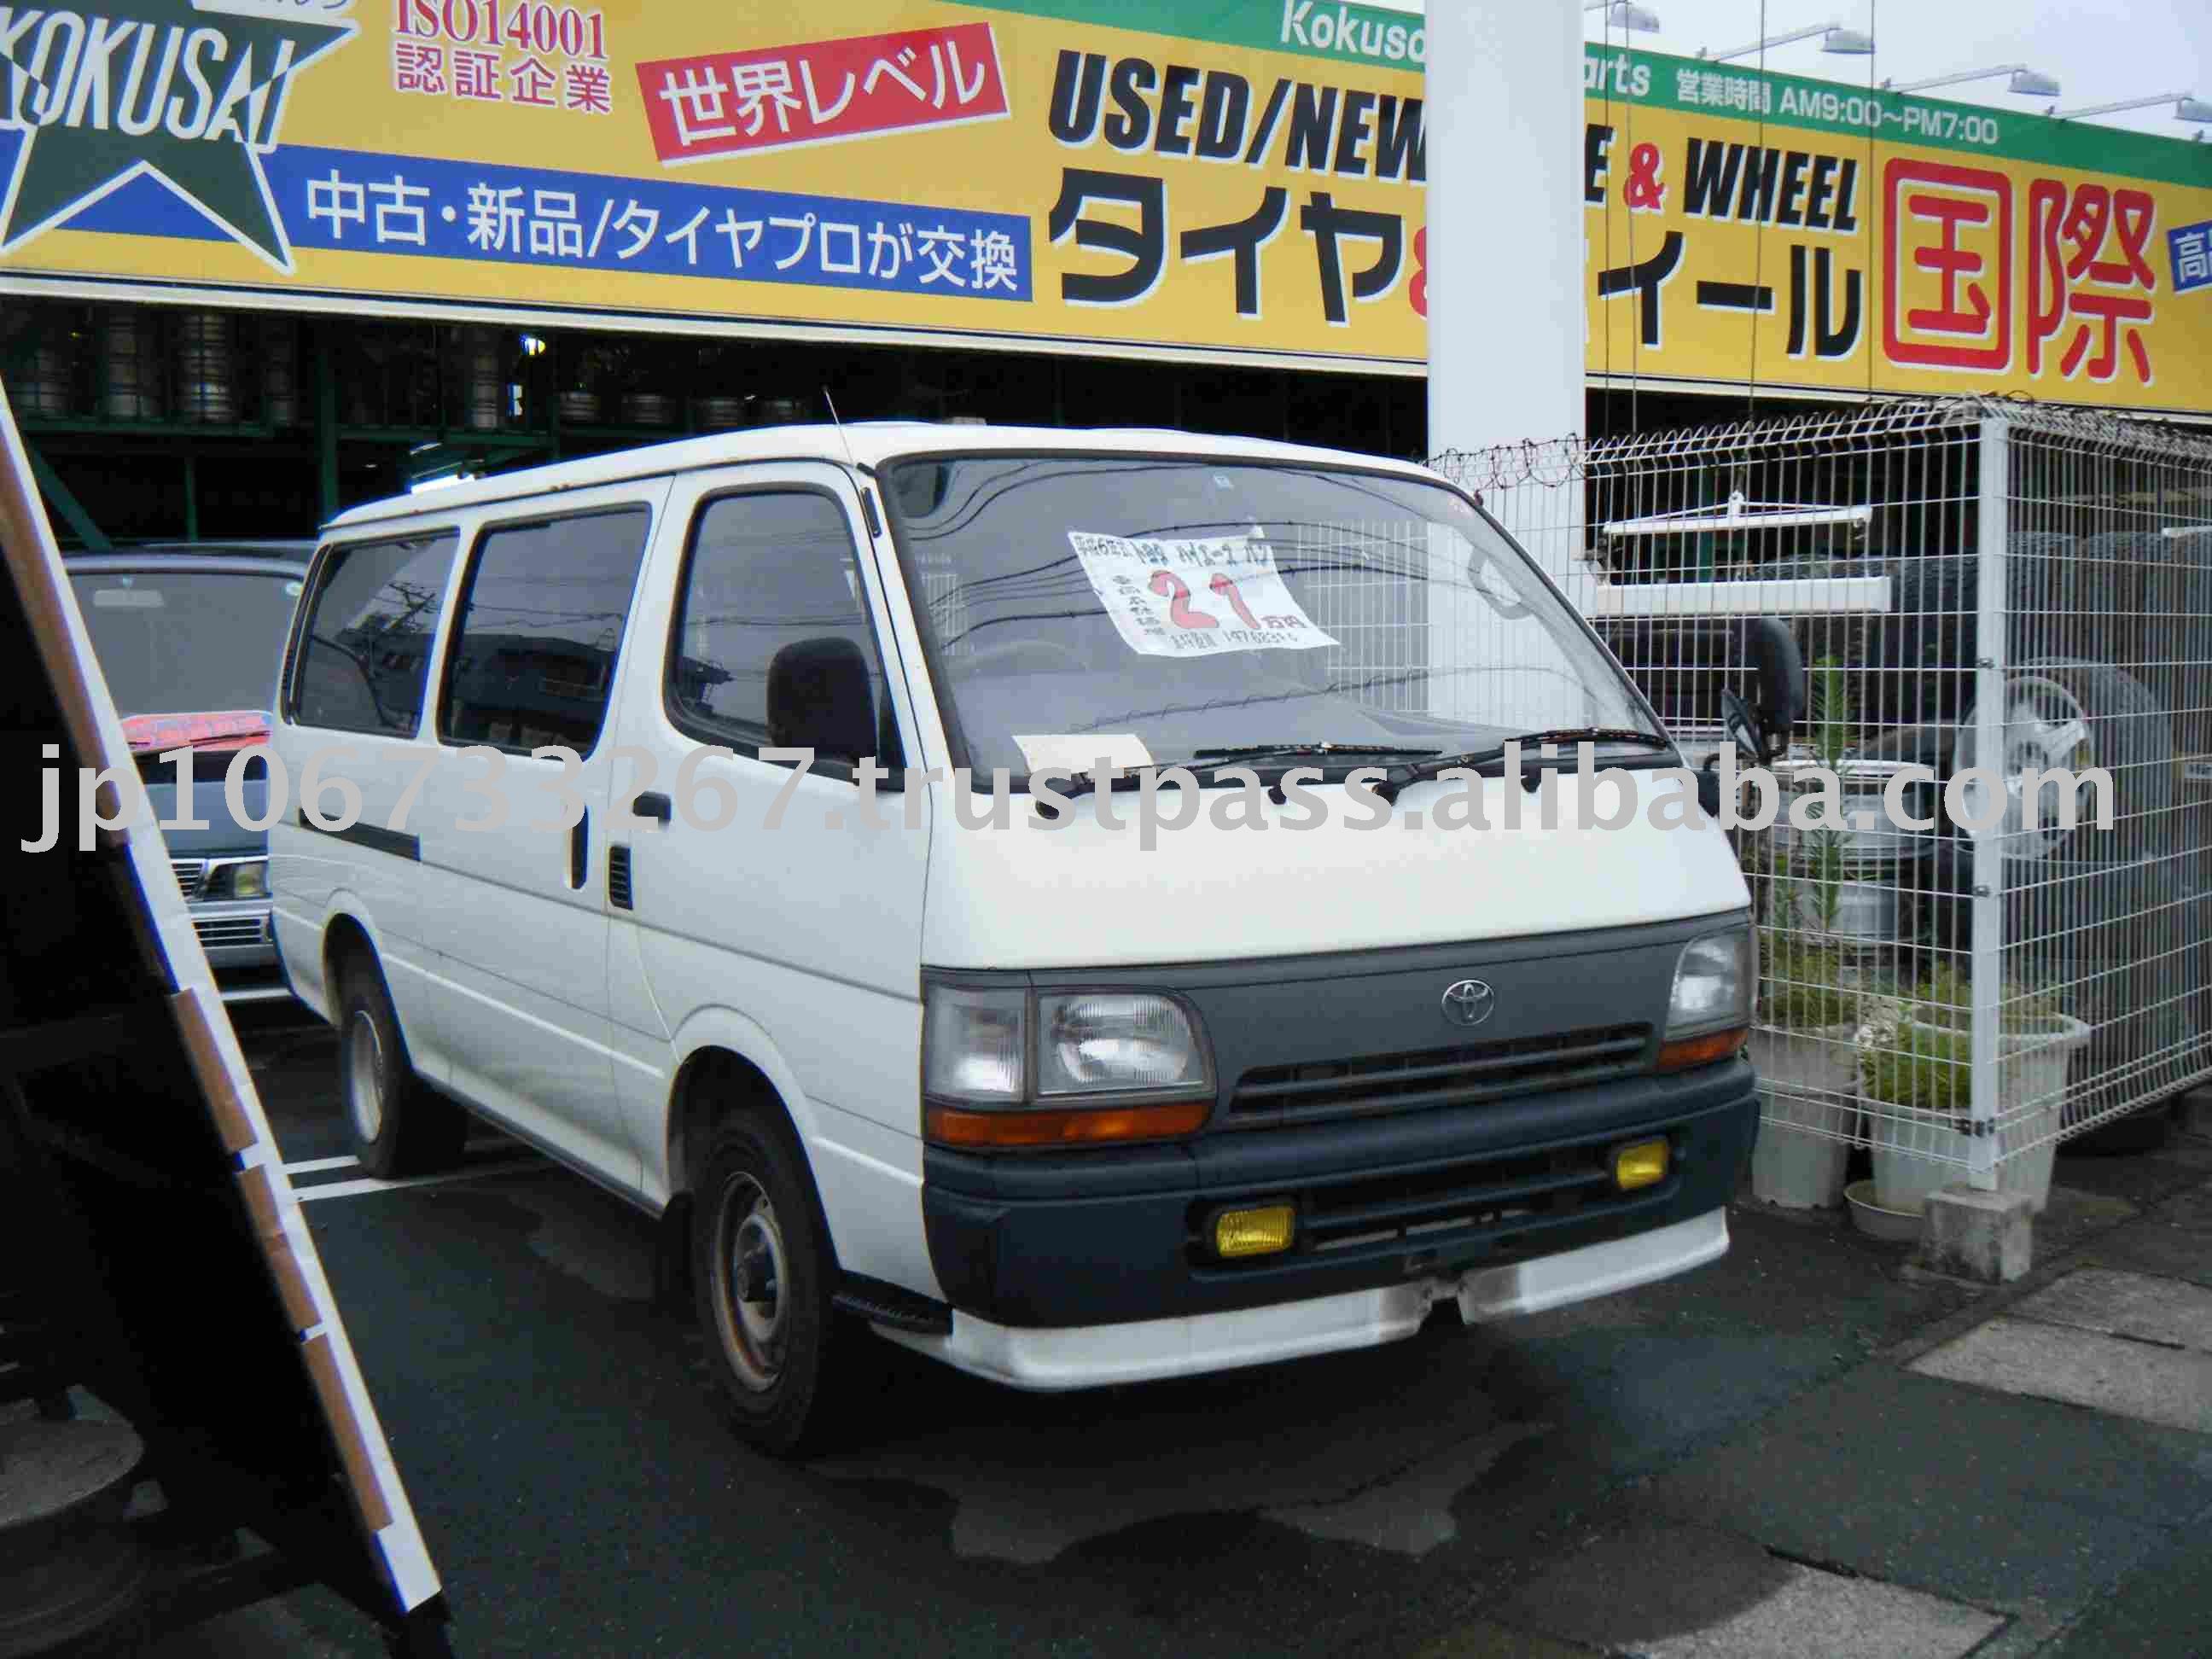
1232	177
1722	247
875	166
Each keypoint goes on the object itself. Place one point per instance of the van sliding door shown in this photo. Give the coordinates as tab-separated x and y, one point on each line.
515	815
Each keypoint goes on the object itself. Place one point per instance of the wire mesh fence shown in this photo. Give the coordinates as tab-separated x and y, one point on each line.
1960	964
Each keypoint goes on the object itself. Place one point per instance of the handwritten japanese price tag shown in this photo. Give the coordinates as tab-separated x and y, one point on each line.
1190	598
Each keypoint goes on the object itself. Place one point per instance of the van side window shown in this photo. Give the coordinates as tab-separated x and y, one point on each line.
541	620
364	651
766	571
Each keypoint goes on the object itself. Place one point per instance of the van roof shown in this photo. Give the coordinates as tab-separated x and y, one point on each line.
870	444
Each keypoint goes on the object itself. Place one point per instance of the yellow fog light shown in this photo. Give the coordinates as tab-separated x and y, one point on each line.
1639	1164
1261	1231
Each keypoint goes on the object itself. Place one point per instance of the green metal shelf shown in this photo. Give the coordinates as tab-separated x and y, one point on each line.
92	426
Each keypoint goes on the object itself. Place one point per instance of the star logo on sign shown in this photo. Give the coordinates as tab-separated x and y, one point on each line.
189	91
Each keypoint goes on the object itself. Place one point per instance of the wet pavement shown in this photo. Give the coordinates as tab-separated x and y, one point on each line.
1807	1447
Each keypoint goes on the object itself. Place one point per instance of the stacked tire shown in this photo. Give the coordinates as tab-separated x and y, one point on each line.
2100	916
2165	585
1917	663
1684	664
1681	663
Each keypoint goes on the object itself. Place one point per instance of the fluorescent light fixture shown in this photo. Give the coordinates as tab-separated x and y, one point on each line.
1834	38
1621	14
2186	108
2026	82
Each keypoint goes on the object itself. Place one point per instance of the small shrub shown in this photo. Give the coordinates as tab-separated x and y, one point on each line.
1949	1001
1921	1066
1803	986
1926	1060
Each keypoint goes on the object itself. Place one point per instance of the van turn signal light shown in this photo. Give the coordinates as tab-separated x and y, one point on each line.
1263	1231
1639	1164
1709	1049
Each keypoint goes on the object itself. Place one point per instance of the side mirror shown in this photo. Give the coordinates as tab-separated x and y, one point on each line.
820	697
1742	728
1779	668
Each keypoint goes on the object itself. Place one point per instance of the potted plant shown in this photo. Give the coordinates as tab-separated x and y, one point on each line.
1804	1047
1823	873
1805	1050
1917	1081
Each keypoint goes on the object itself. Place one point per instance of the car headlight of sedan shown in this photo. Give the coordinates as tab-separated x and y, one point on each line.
1709	1011
1015	1067
246	879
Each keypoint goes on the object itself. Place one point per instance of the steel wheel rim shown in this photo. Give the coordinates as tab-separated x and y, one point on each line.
751	1266
2044	727
365	1077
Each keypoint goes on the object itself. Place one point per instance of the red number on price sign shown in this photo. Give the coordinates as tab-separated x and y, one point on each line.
1179	606
1226	588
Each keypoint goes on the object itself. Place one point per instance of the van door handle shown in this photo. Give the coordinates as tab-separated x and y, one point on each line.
580	851
653	804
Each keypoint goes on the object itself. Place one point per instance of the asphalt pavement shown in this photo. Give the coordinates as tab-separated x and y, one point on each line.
1806	1448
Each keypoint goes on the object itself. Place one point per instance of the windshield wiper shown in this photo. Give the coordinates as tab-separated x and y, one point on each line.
1258	750
1204	760
1403	777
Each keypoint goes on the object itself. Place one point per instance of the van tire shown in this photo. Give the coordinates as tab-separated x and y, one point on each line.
400	1125
773	1356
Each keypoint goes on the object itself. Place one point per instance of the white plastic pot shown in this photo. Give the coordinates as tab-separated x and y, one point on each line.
1864	910
1917	1152
1804	1138
1870	841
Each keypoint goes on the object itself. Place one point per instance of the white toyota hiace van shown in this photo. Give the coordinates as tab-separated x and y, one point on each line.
1320	1007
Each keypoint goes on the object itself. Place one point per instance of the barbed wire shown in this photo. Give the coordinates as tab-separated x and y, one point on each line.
1550	461
1572	458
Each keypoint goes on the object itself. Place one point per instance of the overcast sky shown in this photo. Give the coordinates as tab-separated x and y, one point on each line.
2100	54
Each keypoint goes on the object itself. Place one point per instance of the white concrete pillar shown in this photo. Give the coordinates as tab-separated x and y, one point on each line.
1504	120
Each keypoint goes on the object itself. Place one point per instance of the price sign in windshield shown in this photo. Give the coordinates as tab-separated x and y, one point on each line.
1191	599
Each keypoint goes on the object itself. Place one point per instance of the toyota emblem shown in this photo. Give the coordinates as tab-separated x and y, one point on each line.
1468	1002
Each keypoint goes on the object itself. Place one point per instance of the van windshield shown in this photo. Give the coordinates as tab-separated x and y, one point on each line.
1156	609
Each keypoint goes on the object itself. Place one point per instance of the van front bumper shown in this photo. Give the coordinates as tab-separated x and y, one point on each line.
1144	1351
1388	1208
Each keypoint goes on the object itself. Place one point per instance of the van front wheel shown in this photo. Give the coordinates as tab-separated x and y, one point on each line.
762	1270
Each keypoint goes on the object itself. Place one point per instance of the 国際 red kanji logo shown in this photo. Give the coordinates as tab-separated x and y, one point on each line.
1946	265
777	98
2101	284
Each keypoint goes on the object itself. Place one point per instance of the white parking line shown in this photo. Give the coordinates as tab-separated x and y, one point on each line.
370	1184
317	1166
315	1163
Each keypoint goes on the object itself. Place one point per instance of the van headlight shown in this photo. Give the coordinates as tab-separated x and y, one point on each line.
1037	1068
1093	1043
1709	1012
